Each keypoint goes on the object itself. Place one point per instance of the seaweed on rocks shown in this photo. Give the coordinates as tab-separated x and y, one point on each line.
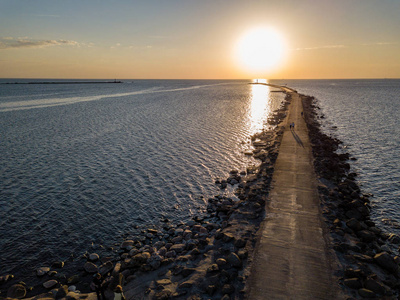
368	268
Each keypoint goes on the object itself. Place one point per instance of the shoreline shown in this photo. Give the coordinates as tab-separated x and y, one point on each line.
212	256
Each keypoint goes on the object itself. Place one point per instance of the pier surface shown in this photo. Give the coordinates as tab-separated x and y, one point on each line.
292	259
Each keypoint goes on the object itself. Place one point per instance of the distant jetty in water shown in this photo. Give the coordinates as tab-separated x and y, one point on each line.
63	82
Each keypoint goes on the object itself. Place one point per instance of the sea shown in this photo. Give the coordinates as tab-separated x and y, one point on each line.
84	164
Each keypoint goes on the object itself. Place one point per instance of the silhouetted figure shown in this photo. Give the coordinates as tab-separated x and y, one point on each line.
118	294
98	285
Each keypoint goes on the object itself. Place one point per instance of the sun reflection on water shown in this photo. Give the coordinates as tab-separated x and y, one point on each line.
259	109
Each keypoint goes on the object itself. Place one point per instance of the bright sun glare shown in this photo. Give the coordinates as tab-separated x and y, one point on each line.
260	49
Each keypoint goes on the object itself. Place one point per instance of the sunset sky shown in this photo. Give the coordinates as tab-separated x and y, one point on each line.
186	39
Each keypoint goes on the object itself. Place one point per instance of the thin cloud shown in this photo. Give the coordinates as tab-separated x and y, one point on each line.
380	44
20	43
322	47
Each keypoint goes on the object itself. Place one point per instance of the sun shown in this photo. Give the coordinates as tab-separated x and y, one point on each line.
260	49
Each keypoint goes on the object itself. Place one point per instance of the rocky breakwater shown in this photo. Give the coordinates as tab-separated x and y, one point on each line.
368	258
208	257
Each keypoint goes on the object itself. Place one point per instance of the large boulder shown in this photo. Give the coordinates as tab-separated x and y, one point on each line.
128	244
234	260
178	248
387	262
374	286
90	267
50	284
366	235
106	267
353	283
16	291
94	257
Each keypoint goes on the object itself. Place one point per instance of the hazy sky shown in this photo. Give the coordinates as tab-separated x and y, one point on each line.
196	39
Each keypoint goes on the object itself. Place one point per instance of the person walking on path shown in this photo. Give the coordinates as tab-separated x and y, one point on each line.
98	286
118	294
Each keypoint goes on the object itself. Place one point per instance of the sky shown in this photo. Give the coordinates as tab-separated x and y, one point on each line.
188	39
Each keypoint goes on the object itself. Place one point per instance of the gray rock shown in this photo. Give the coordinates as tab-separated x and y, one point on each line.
94	257
210	289
221	262
374	286
212	268
162	251
163	295
353	283
171	254
50	284
106	267
375	230
234	260
353	213
366	235
155	261
387	262
117	269
394	238
73	296
186	285
187	271
178	248
72	288
366	293
126	244
354	224
17	291
62	292
42	271
240	243
227	237
73	279
90	267
58	264
177	239
5	278
163	282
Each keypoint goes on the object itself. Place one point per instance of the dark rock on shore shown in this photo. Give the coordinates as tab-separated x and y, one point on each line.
369	268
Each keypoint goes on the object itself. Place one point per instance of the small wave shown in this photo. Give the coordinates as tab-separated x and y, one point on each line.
50	102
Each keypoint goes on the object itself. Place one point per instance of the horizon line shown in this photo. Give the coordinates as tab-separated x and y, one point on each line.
88	78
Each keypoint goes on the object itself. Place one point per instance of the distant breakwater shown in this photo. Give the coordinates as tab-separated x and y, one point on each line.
62	82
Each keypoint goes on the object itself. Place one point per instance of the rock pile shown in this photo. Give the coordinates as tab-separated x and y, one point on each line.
369	268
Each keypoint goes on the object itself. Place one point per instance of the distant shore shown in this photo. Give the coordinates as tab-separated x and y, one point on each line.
63	82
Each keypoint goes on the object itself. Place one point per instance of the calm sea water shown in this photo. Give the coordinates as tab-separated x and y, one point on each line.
86	163
367	119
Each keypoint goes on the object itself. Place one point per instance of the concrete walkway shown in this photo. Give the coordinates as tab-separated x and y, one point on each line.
291	259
